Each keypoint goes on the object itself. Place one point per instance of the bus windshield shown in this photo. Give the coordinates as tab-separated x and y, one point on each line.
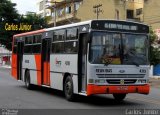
118	48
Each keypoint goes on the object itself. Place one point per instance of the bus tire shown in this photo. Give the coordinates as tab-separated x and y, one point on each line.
119	97
68	89
27	80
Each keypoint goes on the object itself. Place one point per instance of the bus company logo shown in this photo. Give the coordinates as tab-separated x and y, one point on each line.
57	62
121	71
122	81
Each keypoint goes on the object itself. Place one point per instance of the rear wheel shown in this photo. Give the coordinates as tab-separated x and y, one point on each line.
27	80
119	97
68	89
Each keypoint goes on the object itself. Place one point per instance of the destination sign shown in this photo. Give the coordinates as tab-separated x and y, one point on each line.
123	26
120	26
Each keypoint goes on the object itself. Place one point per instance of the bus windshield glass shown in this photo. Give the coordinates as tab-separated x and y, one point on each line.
118	48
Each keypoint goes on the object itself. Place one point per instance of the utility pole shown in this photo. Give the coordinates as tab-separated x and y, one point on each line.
97	10
55	8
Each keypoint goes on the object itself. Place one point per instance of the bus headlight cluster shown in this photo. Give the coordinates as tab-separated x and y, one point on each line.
91	80
142	81
100	81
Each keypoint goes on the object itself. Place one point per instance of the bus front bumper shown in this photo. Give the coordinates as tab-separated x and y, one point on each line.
95	89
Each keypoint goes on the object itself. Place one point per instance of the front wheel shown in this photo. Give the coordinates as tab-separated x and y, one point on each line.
68	89
119	97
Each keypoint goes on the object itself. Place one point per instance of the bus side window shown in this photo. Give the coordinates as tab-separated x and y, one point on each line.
72	34
58	41
71	47
58	47
15	46
28	49
71	42
36	47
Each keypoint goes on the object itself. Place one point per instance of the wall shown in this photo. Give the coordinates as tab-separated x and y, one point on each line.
152	13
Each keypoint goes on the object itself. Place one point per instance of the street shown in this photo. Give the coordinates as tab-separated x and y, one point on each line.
14	95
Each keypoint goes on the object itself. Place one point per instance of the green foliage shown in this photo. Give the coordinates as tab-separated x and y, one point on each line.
154	49
8	14
33	19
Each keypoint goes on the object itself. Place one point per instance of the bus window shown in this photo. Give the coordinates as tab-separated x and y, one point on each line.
58	47
29	40
36	48
105	46
72	34
135	49
37	39
28	49
58	35
71	47
58	41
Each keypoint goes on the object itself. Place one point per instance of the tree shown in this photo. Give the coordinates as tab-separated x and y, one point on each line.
33	19
154	48
7	15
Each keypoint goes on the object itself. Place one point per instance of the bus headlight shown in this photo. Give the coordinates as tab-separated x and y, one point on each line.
91	80
142	81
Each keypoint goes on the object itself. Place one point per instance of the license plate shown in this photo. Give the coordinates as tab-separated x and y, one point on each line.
122	88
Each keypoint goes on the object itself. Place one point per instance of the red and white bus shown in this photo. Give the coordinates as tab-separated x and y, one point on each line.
86	58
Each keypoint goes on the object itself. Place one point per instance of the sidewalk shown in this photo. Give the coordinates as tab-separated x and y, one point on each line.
5	66
155	82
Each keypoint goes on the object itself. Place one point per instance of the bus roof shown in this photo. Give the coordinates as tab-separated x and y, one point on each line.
73	25
30	33
69	25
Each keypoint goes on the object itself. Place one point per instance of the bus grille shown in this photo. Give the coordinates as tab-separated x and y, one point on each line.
120	75
125	81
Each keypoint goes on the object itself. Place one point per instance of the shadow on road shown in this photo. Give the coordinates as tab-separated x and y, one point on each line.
95	100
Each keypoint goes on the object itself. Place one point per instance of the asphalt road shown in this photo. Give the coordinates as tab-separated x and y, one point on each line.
14	95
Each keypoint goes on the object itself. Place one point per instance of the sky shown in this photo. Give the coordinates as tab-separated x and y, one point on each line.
25	5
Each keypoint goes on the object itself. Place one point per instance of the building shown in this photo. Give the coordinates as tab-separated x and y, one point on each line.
42	11
152	13
71	11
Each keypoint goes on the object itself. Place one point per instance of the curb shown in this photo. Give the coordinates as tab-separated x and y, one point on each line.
7	67
155	77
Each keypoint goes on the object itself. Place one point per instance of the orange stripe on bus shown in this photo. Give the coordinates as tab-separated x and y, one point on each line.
14	66
94	89
38	67
46	73
30	33
49	74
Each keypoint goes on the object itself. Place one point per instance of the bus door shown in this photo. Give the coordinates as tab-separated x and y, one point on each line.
20	46
45	54
82	62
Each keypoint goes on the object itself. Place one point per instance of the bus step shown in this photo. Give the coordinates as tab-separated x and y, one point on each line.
46	86
84	93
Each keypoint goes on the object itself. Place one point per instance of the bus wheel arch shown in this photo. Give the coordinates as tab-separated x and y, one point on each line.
68	87
27	79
